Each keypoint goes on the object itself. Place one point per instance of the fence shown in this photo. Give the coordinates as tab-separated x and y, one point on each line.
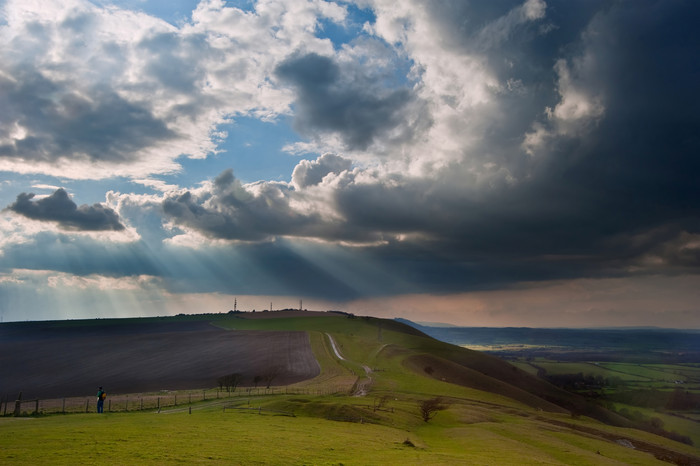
148	401
260	410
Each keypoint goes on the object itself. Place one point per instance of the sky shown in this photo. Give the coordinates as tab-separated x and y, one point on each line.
480	163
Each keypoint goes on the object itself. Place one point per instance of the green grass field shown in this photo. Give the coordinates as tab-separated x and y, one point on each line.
652	375
466	433
477	427
670	422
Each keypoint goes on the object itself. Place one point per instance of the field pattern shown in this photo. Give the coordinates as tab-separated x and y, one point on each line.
56	361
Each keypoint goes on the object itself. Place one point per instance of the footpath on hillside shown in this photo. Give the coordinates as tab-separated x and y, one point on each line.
363	384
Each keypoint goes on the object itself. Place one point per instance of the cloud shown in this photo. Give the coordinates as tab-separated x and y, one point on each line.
53	122
466	145
225	209
59	208
90	92
309	173
497	32
342	100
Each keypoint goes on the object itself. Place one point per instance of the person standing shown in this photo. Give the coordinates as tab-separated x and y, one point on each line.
101	395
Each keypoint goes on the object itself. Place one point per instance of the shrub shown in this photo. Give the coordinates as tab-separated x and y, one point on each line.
429	408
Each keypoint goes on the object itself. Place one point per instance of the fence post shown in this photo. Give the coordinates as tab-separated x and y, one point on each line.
176	399
87	405
158	404
127	404
141	404
36	407
109	405
204	395
63	406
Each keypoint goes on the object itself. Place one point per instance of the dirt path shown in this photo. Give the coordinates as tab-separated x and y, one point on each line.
335	347
362	385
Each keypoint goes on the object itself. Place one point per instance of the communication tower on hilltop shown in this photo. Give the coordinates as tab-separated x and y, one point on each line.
235	305
300	306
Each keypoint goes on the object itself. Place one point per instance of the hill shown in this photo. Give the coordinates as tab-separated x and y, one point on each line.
493	412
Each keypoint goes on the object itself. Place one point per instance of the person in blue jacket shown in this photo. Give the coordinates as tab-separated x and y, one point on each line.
101	395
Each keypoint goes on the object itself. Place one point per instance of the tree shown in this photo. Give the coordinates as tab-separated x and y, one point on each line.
429	408
230	382
257	379
271	375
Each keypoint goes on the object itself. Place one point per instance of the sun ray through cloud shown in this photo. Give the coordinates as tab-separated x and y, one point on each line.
498	159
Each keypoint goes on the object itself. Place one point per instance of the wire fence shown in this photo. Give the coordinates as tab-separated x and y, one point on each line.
148	401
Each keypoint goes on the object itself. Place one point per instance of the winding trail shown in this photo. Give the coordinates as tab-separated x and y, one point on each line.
362	385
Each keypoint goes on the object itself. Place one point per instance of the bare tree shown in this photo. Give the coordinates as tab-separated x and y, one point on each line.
271	375
429	408
230	382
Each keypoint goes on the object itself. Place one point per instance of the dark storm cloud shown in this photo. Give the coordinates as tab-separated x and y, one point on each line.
59	208
334	99
594	203
596	199
636	171
520	51
64	122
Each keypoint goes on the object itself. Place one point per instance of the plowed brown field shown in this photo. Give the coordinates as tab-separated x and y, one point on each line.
46	361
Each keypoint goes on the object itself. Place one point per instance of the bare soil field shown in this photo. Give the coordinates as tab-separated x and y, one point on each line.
44	360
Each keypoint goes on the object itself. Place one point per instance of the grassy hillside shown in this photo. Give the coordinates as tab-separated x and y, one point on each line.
494	413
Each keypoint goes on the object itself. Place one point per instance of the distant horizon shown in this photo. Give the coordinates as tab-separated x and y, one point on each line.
445	325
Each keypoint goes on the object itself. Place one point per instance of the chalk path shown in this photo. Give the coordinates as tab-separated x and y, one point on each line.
363	385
